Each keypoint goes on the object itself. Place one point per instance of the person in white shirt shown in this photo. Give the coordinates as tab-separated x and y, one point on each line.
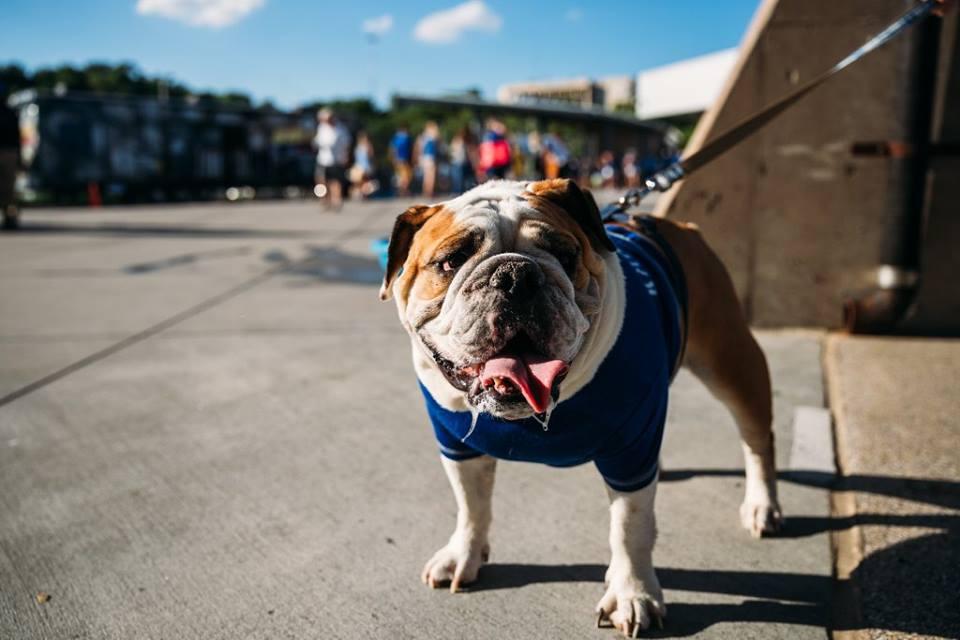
333	156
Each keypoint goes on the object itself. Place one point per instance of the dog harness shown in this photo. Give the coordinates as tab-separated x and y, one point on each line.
616	420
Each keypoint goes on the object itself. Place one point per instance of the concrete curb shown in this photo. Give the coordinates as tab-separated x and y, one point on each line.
846	545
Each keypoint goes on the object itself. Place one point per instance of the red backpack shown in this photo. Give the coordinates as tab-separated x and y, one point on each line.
494	153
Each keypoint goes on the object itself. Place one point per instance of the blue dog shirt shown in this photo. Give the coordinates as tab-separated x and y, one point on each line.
616	420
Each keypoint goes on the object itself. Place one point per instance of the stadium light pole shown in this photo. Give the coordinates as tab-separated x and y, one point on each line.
373	39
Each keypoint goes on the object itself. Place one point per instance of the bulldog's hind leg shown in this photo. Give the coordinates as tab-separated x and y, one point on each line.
722	352
459	561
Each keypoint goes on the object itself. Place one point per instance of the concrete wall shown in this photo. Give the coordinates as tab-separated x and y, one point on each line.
797	217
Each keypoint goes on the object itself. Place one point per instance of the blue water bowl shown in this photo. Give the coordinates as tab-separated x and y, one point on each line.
379	248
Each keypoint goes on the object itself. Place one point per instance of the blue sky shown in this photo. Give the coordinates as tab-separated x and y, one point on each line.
292	51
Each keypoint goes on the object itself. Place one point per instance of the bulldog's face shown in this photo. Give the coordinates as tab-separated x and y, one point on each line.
499	287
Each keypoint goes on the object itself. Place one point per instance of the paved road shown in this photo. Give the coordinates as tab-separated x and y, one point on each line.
209	428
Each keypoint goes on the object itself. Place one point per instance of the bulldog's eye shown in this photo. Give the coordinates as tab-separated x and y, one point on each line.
567	259
453	256
453	262
564	249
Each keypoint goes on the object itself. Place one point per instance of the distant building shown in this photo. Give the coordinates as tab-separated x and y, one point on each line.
606	93
684	88
679	90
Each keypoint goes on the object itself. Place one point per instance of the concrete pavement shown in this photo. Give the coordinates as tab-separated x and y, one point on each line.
898	503
209	428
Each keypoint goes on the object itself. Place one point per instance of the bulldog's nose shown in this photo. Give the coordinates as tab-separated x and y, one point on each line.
519	279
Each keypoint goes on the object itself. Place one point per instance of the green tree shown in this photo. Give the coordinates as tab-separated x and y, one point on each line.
14	78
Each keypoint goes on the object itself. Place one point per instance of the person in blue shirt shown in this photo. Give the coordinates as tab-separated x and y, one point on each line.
401	152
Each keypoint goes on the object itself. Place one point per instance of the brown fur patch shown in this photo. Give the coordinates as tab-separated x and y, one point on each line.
558	218
579	206
542	187
418	276
404	228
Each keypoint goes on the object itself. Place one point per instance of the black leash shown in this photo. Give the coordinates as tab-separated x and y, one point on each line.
664	179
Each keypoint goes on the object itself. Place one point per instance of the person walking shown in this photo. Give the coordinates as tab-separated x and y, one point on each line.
533	156
362	171
427	158
9	162
556	157
462	148
401	153
333	156
631	170
607	168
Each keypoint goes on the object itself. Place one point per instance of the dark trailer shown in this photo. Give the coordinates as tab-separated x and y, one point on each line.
79	147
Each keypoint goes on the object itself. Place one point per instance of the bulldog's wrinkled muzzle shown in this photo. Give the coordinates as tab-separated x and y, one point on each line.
519	279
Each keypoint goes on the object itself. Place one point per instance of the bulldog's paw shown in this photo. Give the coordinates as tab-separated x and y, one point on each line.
761	518
632	604
458	563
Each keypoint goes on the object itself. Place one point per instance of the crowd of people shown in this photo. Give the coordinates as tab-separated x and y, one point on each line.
426	164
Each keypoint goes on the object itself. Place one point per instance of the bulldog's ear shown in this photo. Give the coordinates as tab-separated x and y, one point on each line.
579	204
405	227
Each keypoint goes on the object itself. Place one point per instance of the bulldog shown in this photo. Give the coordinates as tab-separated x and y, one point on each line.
541	334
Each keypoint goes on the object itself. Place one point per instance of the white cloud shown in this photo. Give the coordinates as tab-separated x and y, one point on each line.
200	13
445	27
378	26
574	14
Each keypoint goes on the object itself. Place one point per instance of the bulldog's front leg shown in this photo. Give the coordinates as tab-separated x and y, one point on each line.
633	598
459	561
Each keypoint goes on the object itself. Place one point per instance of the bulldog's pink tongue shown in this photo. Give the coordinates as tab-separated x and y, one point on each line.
533	374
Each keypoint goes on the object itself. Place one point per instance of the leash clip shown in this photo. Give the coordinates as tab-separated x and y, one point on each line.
660	181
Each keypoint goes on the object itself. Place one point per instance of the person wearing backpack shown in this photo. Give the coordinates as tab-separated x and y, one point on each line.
495	151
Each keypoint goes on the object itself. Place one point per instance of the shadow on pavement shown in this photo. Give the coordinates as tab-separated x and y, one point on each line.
183	260
753	584
941	493
912	586
511	576
913	570
807	596
329	264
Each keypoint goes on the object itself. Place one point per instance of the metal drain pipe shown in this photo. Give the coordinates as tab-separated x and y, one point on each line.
880	311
